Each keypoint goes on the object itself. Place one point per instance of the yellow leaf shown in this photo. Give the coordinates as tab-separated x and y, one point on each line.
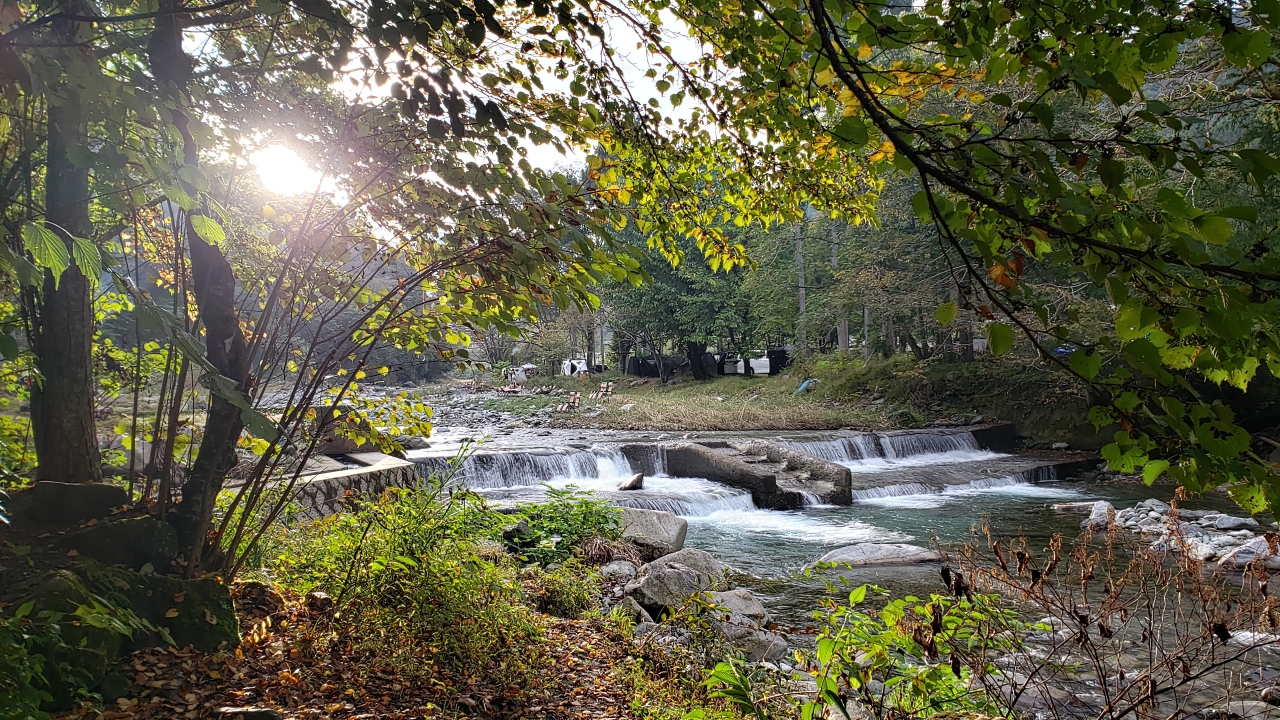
864	52
171	613
824	76
384	370
180	596
360	374
268	212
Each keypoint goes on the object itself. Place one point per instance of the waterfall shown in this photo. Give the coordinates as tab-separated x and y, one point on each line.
1042	474
907	444
892	446
895	491
845	449
691	504
495	470
809	499
650	459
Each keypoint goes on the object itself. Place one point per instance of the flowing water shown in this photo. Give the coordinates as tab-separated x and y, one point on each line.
908	487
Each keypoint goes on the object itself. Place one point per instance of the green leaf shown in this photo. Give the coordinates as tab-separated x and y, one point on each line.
8	347
1153	470
47	249
1248	213
946	313
1213	228
851	130
88	258
1085	363
208	229
999	338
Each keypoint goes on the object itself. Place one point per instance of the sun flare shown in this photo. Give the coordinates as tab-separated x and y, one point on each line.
282	171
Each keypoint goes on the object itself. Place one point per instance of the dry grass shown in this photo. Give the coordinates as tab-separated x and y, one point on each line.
726	404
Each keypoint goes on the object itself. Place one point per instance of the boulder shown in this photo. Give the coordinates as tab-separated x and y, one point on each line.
132	542
670	581
635	482
618	570
68	504
1257	549
518	533
740	604
1227	522
863	554
655	532
739	618
630	608
1101	517
192	612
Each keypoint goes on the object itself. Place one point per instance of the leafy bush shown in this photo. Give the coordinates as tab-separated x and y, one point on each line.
415	584
561	526
22	664
911	658
41	663
568	591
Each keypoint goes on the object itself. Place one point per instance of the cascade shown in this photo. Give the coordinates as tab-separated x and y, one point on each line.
858	447
892	446
908	444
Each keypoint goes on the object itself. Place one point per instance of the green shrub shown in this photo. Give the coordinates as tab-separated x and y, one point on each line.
559	527
568	591
414	578
22	664
921	652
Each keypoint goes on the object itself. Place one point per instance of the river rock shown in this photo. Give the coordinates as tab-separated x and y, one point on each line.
1227	522
635	482
132	542
518	533
1256	549
618	570
630	608
655	532
670	581
1060	446
1156	505
1081	508
67	504
1240	710
1101	517
739	618
863	554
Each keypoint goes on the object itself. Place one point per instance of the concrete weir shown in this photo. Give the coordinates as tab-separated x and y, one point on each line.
724	473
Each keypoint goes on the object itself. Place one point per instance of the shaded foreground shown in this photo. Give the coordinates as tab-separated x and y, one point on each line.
583	669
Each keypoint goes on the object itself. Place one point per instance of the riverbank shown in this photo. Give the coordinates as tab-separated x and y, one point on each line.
1047	405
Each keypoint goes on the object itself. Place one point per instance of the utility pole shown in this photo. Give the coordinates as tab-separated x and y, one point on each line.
842	328
802	341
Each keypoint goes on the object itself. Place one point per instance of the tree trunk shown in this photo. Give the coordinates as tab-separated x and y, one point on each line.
866	333
214	287
62	421
225	347
802	339
694	352
842	325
